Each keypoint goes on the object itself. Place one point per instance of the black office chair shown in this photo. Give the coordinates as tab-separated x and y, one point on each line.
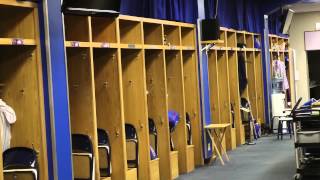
82	148
289	121
104	145
188	124
20	163
132	137
153	132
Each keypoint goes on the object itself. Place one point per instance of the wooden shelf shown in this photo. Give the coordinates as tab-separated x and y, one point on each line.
219	41
172	35
153	34
15	3
249	40
188	36
241	37
231	39
104	45
172	47
17	42
76	44
131	46
104	30
130	32
153	47
188	48
21	23
76	28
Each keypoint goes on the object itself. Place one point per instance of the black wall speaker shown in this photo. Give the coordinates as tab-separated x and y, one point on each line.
210	29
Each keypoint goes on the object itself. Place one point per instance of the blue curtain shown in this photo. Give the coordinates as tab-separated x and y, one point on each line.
176	10
271	7
237	14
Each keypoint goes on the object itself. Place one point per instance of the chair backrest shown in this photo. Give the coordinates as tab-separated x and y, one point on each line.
131	132
188	123
296	106
245	103
103	137
20	158
152	126
81	143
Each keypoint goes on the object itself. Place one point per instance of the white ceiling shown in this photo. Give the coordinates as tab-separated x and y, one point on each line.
305	7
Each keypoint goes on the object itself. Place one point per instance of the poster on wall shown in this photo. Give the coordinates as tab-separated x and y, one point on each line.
312	39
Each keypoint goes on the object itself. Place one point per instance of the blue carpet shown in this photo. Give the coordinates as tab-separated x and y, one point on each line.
269	159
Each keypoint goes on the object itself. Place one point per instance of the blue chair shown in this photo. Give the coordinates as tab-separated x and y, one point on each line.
104	145
153	132
20	163
132	137
188	124
82	148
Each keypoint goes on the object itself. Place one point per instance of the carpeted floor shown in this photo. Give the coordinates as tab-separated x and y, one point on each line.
269	159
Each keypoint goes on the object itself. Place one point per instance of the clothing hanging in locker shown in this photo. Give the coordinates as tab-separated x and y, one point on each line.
7	117
243	81
279	69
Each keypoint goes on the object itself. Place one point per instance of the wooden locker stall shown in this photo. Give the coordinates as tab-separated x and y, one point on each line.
82	104
252	89
192	98
236	122
192	95
176	102
158	109
81	88
260	87
135	106
21	79
214	86
224	93
109	107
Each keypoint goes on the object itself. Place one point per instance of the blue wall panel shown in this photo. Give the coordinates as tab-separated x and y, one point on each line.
58	91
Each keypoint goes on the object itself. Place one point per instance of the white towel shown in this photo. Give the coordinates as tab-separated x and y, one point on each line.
7	117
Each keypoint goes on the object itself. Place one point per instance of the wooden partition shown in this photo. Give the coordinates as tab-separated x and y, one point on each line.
259	87
236	122
82	103
110	118
21	78
135	105
224	94
214	86
252	89
192	105
158	107
176	102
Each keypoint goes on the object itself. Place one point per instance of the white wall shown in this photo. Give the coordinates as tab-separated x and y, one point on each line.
302	22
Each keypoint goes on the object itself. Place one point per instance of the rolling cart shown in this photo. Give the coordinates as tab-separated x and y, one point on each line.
306	126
